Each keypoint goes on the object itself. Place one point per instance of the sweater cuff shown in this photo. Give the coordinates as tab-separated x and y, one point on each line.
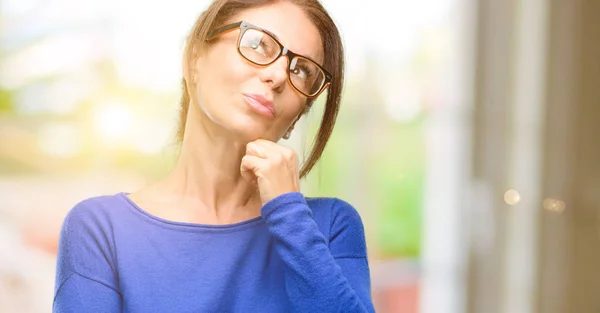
282	201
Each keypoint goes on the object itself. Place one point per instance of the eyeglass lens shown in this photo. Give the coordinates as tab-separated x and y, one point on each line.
261	48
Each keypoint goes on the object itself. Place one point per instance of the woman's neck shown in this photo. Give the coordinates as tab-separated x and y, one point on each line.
207	175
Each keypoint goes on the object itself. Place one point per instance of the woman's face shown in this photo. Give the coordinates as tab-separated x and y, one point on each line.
226	83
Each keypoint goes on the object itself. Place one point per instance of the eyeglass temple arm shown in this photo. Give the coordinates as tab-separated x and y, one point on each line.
216	32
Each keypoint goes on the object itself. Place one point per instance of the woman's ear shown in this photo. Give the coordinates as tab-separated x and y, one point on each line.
190	62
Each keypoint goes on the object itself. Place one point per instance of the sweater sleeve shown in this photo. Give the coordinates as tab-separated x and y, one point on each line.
86	280
320	278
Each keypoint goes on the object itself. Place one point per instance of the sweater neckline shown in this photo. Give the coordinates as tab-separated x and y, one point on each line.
209	227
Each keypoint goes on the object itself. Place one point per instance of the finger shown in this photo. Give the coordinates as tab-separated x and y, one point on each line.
257	149
251	163
273	150
268	145
277	150
250	167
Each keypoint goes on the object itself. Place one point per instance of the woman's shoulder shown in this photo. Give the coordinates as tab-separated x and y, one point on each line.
338	213
97	210
334	206
342	225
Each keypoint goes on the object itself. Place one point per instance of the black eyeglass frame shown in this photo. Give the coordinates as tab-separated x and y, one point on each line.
283	51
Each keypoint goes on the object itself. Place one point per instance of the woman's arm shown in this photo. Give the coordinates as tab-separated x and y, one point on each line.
82	294
321	278
86	280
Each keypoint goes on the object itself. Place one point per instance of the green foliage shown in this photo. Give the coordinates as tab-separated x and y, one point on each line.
6	102
395	173
398	171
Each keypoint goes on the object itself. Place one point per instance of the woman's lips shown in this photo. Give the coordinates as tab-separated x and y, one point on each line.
260	104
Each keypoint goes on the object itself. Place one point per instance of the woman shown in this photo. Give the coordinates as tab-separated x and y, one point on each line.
228	230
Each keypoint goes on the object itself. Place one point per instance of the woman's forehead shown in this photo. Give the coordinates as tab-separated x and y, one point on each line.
289	24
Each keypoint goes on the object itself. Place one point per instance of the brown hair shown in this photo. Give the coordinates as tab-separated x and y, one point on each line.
220	11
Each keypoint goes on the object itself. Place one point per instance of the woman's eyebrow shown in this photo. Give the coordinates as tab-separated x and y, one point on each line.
312	57
272	34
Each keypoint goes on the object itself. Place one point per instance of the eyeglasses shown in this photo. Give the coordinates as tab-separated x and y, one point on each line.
259	46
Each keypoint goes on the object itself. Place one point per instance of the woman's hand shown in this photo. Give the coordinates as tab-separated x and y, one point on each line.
271	167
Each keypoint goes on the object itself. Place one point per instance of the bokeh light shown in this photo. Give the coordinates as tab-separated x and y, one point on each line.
512	197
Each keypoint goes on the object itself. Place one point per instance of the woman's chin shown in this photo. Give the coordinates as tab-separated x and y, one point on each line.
250	128
248	133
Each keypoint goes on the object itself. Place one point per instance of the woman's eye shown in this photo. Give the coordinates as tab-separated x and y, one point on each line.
259	46
301	72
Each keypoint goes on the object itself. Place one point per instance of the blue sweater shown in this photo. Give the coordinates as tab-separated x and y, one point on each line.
300	255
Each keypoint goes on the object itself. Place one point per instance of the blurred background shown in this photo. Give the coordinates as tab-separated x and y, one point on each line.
468	140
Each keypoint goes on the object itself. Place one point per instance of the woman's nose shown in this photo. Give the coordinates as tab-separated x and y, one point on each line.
275	74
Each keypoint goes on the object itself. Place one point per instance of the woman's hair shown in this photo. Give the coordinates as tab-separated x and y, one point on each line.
221	11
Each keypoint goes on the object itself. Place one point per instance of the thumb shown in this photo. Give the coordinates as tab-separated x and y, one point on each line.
249	167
